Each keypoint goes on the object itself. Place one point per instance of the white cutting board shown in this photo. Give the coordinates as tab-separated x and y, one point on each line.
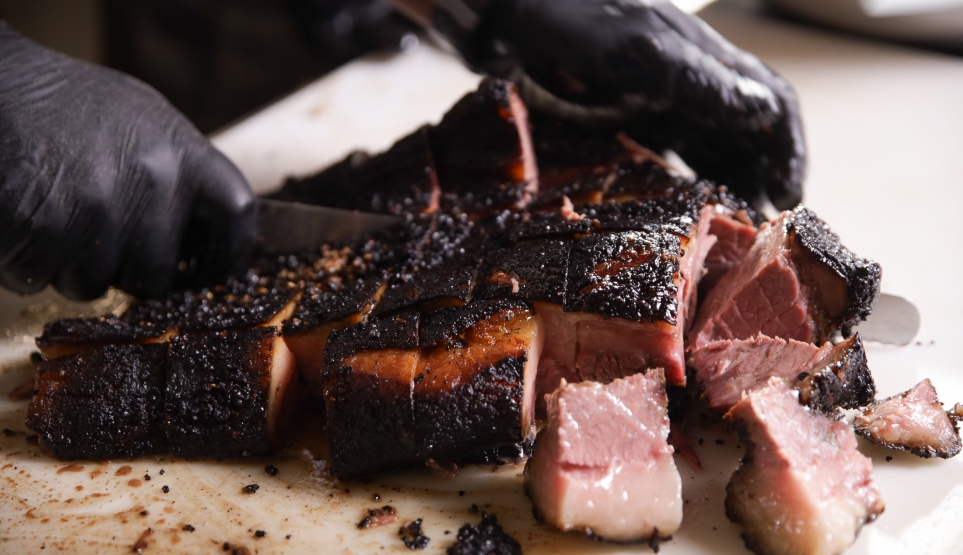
885	131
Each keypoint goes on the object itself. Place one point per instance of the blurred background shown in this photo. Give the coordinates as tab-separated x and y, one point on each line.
218	60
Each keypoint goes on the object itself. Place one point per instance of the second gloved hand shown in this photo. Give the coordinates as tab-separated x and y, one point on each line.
648	68
103	182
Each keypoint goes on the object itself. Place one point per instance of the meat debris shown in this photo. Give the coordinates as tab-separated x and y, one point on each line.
913	421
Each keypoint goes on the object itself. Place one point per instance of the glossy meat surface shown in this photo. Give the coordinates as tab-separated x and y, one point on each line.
602	464
802	486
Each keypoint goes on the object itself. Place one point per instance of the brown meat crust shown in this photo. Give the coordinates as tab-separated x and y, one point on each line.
102	404
217	393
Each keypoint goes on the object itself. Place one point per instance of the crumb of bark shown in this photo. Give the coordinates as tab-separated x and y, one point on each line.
720	441
251	488
412	535
488	538
378	517
147	477
8	432
888	458
271	470
36	357
166	489
188	528
260	534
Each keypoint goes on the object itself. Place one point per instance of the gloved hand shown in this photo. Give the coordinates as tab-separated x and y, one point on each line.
103	182
646	65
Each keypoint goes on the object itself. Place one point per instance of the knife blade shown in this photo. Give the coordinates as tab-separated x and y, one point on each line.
894	321
293	227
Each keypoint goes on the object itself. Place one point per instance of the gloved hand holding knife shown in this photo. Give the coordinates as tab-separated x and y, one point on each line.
103	182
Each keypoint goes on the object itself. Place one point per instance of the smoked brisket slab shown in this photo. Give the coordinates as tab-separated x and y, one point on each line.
101	404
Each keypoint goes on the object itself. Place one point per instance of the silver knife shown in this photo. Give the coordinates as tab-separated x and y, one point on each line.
293	227
894	321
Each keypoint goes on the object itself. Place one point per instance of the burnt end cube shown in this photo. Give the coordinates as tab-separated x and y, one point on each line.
368	377
225	391
101	404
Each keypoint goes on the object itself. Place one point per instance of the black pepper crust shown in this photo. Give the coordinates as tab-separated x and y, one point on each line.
92	331
482	412
389	332
539	269
845	381
217	393
478	150
628	275
488	538
450	323
370	423
861	276
332	301
400	180
102	404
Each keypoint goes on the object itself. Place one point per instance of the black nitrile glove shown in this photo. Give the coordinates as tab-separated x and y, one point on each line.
103	182
646	65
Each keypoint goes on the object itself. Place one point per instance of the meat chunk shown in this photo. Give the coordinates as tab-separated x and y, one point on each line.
802	486
76	335
797	282
401	180
403	390
735	234
483	149
101	404
229	394
912	421
827	377
602	464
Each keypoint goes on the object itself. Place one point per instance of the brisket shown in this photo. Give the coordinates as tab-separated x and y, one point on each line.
602	464
912	421
797	282
802	486
826	377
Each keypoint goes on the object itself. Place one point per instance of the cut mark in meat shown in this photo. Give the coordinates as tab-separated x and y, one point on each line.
602	464
802	486
912	421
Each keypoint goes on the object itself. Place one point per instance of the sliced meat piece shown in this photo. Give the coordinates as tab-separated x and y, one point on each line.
229	394
827	377
401	180
465	386
735	234
797	282
368	378
912	421
101	404
802	486
483	150
602	464
474	390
